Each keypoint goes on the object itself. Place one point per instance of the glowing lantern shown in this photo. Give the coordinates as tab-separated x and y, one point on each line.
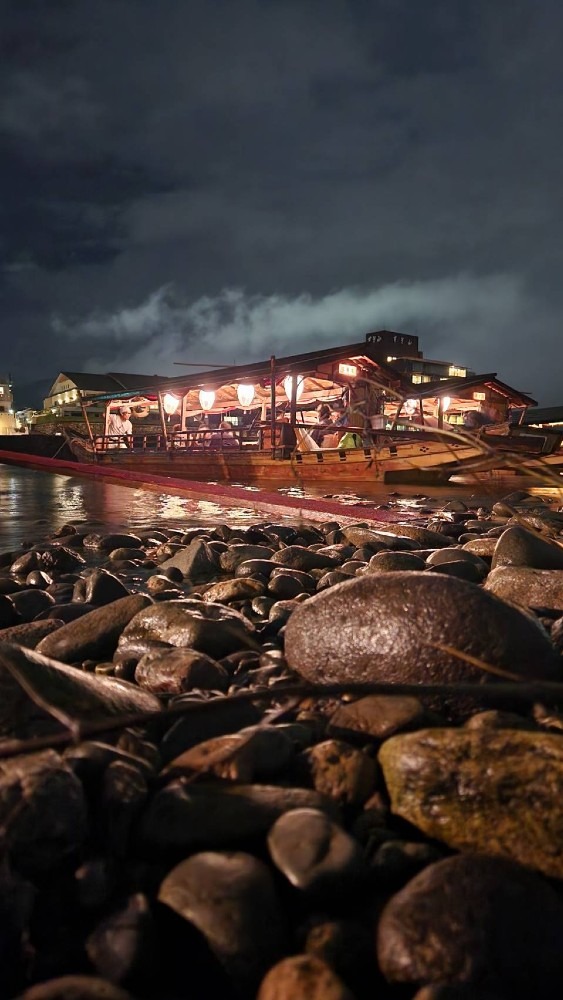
445	403
206	399
170	403
410	405
288	386
245	394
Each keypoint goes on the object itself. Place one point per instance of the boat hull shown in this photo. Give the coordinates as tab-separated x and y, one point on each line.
430	461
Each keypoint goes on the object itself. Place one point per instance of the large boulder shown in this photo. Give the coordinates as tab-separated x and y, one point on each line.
416	628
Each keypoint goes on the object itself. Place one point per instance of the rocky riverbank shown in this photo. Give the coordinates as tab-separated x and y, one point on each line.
184	814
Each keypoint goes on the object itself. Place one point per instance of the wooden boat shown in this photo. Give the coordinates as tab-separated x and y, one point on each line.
269	438
424	457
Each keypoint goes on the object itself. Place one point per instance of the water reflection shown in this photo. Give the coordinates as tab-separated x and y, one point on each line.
32	504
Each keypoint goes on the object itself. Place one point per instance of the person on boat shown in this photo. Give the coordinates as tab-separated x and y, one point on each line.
324	425
203	434
223	437
120	428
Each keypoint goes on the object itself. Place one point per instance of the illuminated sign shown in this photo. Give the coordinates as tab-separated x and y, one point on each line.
350	370
479	395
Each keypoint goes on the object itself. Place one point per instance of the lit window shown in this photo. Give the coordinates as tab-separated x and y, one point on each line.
479	395
417	379
455	372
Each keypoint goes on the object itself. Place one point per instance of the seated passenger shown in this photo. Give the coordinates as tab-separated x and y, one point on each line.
223	437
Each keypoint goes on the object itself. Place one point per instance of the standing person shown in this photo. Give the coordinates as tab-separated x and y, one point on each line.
120	428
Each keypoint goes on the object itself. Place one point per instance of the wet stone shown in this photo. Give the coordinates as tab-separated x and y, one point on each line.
301	558
531	588
484	547
95	635
8	614
474	920
196	561
482	790
186	817
30	603
242	552
103	588
315	854
388	562
231	899
234	590
122	947
519	547
394	627
177	670
254	754
303	977
76	988
37	838
339	771
214	629
376	717
30	634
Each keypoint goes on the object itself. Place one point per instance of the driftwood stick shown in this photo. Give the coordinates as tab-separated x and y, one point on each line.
492	693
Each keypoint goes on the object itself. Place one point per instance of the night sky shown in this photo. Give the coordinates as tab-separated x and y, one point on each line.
219	180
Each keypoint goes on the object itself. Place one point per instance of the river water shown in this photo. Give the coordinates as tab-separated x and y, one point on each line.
34	504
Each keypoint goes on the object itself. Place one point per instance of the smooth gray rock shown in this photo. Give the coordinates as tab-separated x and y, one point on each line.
392	562
241	552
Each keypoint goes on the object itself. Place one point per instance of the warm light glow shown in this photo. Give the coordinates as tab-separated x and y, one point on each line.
455	371
347	369
245	394
410	405
479	395
445	403
288	386
206	398
170	403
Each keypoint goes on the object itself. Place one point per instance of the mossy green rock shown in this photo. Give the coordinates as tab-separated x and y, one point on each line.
499	792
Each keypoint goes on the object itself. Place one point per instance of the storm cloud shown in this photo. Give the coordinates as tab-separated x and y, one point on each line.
219	181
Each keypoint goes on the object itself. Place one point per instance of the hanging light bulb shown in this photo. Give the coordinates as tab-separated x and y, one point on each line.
245	394
288	386
170	403
445	403
206	398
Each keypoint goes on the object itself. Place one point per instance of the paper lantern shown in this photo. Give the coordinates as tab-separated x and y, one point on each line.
445	403
410	405
245	394
206	398
170	403
288	386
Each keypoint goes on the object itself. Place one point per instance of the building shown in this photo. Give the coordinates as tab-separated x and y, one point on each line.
401	351
7	418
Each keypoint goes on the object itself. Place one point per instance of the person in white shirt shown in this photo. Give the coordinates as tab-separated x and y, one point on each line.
120	424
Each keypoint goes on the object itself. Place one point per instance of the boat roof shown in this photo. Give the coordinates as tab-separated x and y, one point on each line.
456	387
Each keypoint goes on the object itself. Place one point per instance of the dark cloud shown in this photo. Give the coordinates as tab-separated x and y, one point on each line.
340	165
